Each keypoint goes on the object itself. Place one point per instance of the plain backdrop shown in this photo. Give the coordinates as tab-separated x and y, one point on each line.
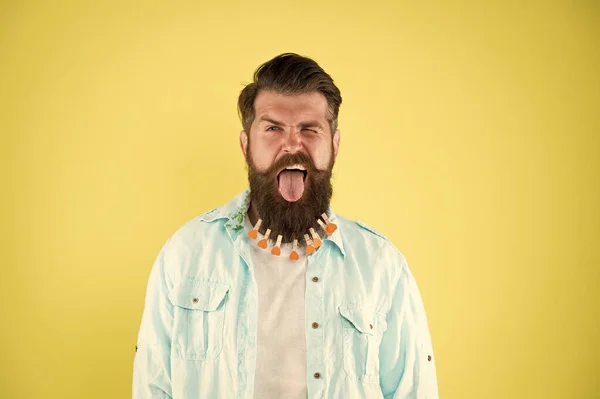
470	137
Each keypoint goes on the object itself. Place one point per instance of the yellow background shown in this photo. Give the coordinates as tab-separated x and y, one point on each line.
470	137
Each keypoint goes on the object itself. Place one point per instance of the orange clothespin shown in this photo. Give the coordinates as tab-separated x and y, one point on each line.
331	227
294	255
310	248
263	243
316	238
254	232
276	249
324	226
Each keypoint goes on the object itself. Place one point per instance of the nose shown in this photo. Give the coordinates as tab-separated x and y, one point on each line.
292	142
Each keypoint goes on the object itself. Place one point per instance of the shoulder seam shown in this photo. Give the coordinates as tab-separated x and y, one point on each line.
370	229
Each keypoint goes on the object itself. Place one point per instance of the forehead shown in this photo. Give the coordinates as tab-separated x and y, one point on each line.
291	108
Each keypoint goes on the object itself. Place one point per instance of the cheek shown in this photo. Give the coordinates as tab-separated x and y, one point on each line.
321	154
263	153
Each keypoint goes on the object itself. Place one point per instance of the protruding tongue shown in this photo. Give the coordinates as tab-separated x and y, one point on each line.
291	184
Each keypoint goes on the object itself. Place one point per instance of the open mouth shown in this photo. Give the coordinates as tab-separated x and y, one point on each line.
291	181
294	168
304	173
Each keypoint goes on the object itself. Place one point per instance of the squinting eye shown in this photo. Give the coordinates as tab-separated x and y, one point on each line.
310	130
272	127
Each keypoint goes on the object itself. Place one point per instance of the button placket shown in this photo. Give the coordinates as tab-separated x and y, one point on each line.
315	339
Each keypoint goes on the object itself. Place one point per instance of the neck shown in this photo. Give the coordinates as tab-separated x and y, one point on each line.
252	214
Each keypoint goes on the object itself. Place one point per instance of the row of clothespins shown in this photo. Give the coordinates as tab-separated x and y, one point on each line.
311	243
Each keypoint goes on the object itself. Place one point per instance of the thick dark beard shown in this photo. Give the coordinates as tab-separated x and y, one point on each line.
290	219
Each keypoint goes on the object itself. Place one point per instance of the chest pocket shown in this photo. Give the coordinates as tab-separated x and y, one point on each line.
200	308
362	332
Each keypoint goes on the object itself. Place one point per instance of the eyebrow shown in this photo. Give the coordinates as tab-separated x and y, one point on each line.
302	125
310	124
270	120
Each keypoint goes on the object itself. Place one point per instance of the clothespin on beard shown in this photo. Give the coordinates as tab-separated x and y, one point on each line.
310	248
324	227
277	248
263	243
294	254
316	238
330	228
254	232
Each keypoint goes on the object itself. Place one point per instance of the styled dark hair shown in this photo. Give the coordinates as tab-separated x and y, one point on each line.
289	73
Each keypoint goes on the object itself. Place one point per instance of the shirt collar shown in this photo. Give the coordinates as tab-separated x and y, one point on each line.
236	209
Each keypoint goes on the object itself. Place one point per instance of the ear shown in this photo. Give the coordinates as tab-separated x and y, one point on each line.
336	143
244	142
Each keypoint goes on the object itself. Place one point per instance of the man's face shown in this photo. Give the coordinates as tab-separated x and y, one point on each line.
290	151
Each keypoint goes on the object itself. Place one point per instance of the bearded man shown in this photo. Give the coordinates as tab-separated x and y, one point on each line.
274	295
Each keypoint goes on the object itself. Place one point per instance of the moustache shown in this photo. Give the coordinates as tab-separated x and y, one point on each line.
289	160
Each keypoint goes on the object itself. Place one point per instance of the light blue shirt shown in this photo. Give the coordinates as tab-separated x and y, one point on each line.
197	337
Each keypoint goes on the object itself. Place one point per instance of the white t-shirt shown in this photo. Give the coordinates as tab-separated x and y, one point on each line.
281	340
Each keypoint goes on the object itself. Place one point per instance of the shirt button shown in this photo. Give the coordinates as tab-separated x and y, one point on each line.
317	375
315	325
429	358
195	300
315	279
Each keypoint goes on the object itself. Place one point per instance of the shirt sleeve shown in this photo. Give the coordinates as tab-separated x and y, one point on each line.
407	364
152	363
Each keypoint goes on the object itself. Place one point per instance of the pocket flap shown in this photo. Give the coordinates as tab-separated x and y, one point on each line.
360	318
199	295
